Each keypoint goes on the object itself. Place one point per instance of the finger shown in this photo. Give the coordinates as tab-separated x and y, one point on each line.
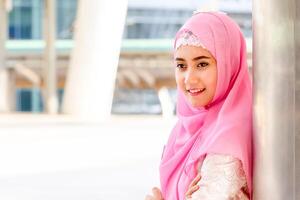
157	193
191	191
195	181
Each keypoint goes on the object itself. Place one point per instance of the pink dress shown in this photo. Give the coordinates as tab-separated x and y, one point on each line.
222	178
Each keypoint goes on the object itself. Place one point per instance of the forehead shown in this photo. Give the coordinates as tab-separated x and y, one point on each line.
188	51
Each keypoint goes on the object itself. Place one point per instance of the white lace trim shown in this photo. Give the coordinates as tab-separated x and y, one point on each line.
188	38
222	178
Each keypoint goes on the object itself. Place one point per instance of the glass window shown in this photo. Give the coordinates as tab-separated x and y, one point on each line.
66	13
20	26
154	23
25	20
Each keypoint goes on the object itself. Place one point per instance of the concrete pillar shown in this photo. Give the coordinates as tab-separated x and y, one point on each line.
297	155
166	103
6	103
3	33
274	70
51	100
92	72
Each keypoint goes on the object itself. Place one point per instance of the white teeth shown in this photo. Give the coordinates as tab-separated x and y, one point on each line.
195	90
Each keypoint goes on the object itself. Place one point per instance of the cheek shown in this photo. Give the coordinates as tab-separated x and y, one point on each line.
211	79
179	78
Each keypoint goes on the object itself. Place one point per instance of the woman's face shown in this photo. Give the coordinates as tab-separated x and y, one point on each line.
196	74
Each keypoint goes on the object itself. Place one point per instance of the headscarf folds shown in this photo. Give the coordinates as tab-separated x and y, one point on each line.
225	125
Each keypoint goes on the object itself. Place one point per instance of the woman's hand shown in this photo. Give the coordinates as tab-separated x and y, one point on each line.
193	187
156	195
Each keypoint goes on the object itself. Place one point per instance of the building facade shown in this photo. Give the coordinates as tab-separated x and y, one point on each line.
147	21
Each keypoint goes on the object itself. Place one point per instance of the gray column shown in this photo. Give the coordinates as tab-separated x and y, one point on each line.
274	70
297	156
51	101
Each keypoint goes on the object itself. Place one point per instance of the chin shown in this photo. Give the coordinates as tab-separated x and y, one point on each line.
197	105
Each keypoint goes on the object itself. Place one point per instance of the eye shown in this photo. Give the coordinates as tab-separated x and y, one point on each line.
203	64
180	66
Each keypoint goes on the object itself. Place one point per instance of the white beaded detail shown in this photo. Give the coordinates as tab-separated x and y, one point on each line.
222	178
188	38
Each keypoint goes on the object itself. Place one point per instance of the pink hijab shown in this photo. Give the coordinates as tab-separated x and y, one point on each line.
225	125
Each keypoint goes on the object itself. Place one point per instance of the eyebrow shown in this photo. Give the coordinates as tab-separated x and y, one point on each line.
196	58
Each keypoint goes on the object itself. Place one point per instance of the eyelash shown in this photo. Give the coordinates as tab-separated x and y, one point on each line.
181	66
205	64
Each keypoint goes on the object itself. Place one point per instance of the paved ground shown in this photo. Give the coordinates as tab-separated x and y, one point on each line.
59	158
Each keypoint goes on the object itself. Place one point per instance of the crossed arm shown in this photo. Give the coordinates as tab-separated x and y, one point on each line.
221	177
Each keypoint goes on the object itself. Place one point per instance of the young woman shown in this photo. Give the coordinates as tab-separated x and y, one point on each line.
209	152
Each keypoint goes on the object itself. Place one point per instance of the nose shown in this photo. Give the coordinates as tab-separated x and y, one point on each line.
191	77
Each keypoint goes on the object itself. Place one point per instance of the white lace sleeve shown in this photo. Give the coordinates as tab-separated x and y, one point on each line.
222	178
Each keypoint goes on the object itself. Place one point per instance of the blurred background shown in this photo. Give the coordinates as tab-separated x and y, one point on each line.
145	64
85	111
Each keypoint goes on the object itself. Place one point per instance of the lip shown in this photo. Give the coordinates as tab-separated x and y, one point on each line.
196	93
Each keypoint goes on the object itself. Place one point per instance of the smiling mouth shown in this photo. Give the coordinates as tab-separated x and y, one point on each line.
195	92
